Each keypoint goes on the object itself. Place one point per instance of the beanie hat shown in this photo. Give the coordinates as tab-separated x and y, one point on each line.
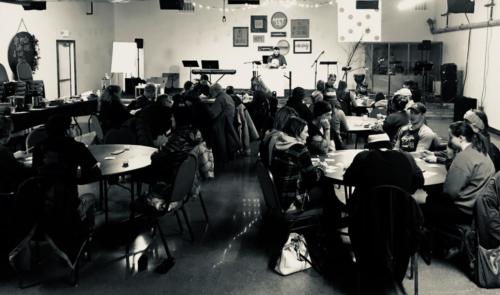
321	108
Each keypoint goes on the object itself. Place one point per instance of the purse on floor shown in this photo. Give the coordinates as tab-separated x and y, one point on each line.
294	256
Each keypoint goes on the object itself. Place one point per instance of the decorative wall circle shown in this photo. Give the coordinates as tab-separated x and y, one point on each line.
284	46
279	20
23	47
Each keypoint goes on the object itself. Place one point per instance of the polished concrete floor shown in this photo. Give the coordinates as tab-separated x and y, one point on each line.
230	254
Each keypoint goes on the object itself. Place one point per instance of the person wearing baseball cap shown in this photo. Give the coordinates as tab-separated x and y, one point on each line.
276	60
416	136
405	92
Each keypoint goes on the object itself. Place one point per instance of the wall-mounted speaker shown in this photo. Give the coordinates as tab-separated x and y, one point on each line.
460	6
139	42
171	4
366	4
34	5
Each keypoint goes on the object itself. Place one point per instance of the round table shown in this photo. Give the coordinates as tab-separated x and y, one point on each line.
119	159
135	156
360	126
339	161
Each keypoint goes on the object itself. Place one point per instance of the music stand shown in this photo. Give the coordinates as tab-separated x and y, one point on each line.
190	64
328	63
210	64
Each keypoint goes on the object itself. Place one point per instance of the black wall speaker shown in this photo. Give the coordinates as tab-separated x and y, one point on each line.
449	81
34	5
366	4
460	6
251	2
171	4
139	42
462	105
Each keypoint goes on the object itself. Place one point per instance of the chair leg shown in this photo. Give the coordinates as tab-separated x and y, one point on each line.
412	267
203	207
415	270
187	224
181	228
165	245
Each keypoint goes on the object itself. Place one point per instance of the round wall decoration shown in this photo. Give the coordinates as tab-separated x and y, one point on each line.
23	47
279	20
284	46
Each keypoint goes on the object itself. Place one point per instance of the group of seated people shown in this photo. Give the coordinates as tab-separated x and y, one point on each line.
472	160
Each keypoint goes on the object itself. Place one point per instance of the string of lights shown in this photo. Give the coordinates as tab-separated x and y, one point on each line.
286	3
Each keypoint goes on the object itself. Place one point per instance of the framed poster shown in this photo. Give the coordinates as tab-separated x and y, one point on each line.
240	36
258	23
302	46
300	28
258	38
279	20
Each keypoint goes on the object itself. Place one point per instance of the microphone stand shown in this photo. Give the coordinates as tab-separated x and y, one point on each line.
315	64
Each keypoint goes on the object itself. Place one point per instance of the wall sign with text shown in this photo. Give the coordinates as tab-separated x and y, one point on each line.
278	34
265	48
302	46
279	20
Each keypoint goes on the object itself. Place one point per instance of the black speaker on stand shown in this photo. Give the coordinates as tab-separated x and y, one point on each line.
449	81
140	45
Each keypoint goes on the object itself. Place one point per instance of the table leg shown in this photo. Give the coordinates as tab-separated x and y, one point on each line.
101	194
356	142
131	196
106	202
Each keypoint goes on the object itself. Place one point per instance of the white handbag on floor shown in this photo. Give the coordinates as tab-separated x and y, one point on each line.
294	256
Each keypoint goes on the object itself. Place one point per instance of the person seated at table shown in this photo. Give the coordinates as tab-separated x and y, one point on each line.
398	118
314	98
158	117
369	169
267	145
188	86
479	123
468	174
144	100
300	185
330	84
260	112
339	123
12	172
112	113
276	60
345	98
184	137
296	102
319	141
416	94
379	106
405	92
64	163
416	136
203	86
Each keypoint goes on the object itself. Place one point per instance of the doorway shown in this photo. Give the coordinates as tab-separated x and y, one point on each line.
66	68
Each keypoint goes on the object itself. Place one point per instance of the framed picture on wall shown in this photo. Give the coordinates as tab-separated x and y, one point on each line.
258	39
258	23
240	36
299	28
303	46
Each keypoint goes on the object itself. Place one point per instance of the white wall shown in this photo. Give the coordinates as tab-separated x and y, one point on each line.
93	36
171	36
480	80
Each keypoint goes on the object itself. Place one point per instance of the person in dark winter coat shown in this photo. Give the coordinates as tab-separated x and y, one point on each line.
296	103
